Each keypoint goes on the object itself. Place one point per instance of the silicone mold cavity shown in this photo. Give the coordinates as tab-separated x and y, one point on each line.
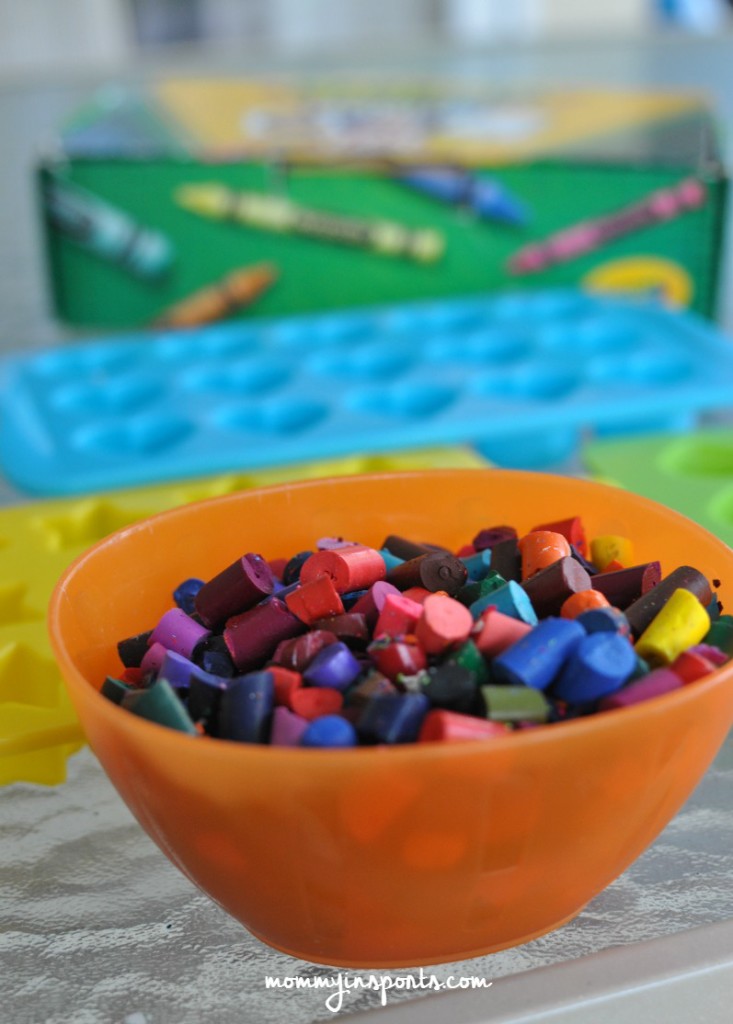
115	396
409	401
133	437
279	418
254	377
375	363
543	384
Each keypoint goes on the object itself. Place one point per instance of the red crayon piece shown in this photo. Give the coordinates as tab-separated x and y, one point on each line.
571	529
298	653
691	666
313	702
398	658
452	725
416	594
654	684
351	568
314	599
253	636
443	624
399	615
494	631
623	587
551	587
238	587
466	551
285	681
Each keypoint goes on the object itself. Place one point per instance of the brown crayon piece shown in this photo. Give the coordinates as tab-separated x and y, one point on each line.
551	587
215	302
507	560
403	547
643	610
493	535
434	571
624	586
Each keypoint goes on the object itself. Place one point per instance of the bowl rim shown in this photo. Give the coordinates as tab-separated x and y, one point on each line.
118	720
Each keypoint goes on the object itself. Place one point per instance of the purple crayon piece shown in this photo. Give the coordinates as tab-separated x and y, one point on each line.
237	588
178	632
287	728
550	587
177	670
712	654
371	604
624	586
253	636
536	658
335	666
661	680
489	538
333	543
599	665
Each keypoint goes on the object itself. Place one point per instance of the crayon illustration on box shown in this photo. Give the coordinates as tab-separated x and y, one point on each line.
361	193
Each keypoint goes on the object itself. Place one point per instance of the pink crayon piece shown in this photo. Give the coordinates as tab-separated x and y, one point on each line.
661	680
575	241
287	728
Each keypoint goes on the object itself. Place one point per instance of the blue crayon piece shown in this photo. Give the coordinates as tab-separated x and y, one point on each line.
538	657
391	561
185	593
599	665
486	197
510	599
204	699
604	620
246	708
478	565
394	718
329	731
350	599
335	666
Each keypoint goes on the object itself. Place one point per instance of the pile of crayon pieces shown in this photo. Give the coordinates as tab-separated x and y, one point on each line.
351	645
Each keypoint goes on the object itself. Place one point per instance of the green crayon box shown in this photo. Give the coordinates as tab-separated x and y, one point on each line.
363	193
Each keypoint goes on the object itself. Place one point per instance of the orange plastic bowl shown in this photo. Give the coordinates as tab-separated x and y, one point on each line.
387	857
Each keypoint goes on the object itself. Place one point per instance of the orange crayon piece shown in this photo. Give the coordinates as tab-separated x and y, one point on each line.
583	601
541	548
216	301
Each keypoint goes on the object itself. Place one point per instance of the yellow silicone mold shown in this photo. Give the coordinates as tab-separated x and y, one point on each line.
38	726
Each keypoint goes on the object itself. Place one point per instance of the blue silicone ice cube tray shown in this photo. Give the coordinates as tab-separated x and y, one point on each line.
523	376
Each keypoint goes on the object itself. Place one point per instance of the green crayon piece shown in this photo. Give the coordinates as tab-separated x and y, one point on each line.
115	689
513	704
477	589
468	656
159	703
720	635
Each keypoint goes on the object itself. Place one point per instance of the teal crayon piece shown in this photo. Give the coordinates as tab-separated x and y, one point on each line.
105	230
279	214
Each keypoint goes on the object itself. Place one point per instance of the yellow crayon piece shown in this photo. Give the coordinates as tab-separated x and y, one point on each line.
681	623
237	290
611	548
280	214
